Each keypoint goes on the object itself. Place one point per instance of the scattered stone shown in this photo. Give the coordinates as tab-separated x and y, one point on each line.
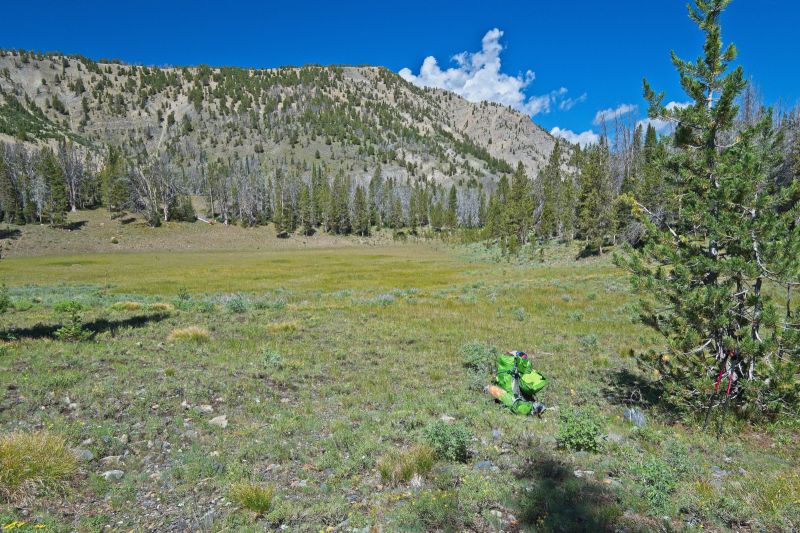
584	473
124	439
185	404
285	400
446	418
220	421
112	475
84	455
111	460
496	434
634	416
205	408
483	465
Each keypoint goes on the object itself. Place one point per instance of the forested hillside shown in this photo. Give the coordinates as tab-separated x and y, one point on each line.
244	137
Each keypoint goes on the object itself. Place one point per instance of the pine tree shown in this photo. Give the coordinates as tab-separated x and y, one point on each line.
360	212
305	210
375	196
593	207
550	218
10	197
707	272
519	202
452	208
56	203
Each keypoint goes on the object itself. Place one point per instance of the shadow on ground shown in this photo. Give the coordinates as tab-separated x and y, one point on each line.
45	331
628	388
558	501
74	226
10	233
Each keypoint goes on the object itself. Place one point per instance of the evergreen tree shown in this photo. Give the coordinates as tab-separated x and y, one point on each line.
10	197
305	208
593	207
56	203
452	208
707	273
360	212
519	202
550	218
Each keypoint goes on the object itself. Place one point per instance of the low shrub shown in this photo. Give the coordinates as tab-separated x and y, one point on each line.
399	466
579	431
190	334
30	462
435	510
658	480
236	304
271	359
160	307
252	496
274	305
479	358
449	440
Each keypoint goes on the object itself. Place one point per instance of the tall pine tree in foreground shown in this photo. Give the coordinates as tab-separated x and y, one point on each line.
711	267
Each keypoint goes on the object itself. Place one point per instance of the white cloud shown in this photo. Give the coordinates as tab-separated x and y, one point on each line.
568	103
477	77
610	114
661	125
584	138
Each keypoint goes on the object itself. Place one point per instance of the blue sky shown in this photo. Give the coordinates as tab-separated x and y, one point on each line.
560	62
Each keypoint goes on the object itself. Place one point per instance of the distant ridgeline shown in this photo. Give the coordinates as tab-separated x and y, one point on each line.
340	149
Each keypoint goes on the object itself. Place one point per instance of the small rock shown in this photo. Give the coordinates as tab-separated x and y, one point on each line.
84	455
285	400
496	434
185	404
584	473
634	416
613	483
483	465
205	408
221	421
446	418
112	474
124	439
111	460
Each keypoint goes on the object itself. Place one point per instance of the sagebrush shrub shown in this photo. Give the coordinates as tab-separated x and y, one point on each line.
449	440
579	431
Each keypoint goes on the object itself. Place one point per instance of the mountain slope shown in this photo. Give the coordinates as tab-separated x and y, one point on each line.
350	118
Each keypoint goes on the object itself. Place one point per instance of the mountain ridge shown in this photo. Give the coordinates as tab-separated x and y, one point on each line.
350	118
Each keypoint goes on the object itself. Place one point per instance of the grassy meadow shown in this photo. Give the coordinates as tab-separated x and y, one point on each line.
316	388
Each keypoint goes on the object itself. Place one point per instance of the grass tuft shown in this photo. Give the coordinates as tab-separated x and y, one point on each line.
126	306
33	461
286	326
190	334
399	466
252	496
161	307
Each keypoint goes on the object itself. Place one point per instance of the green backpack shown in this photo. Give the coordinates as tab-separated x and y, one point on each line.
520	381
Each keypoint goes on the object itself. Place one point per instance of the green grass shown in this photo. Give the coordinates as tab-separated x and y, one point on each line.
336	363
